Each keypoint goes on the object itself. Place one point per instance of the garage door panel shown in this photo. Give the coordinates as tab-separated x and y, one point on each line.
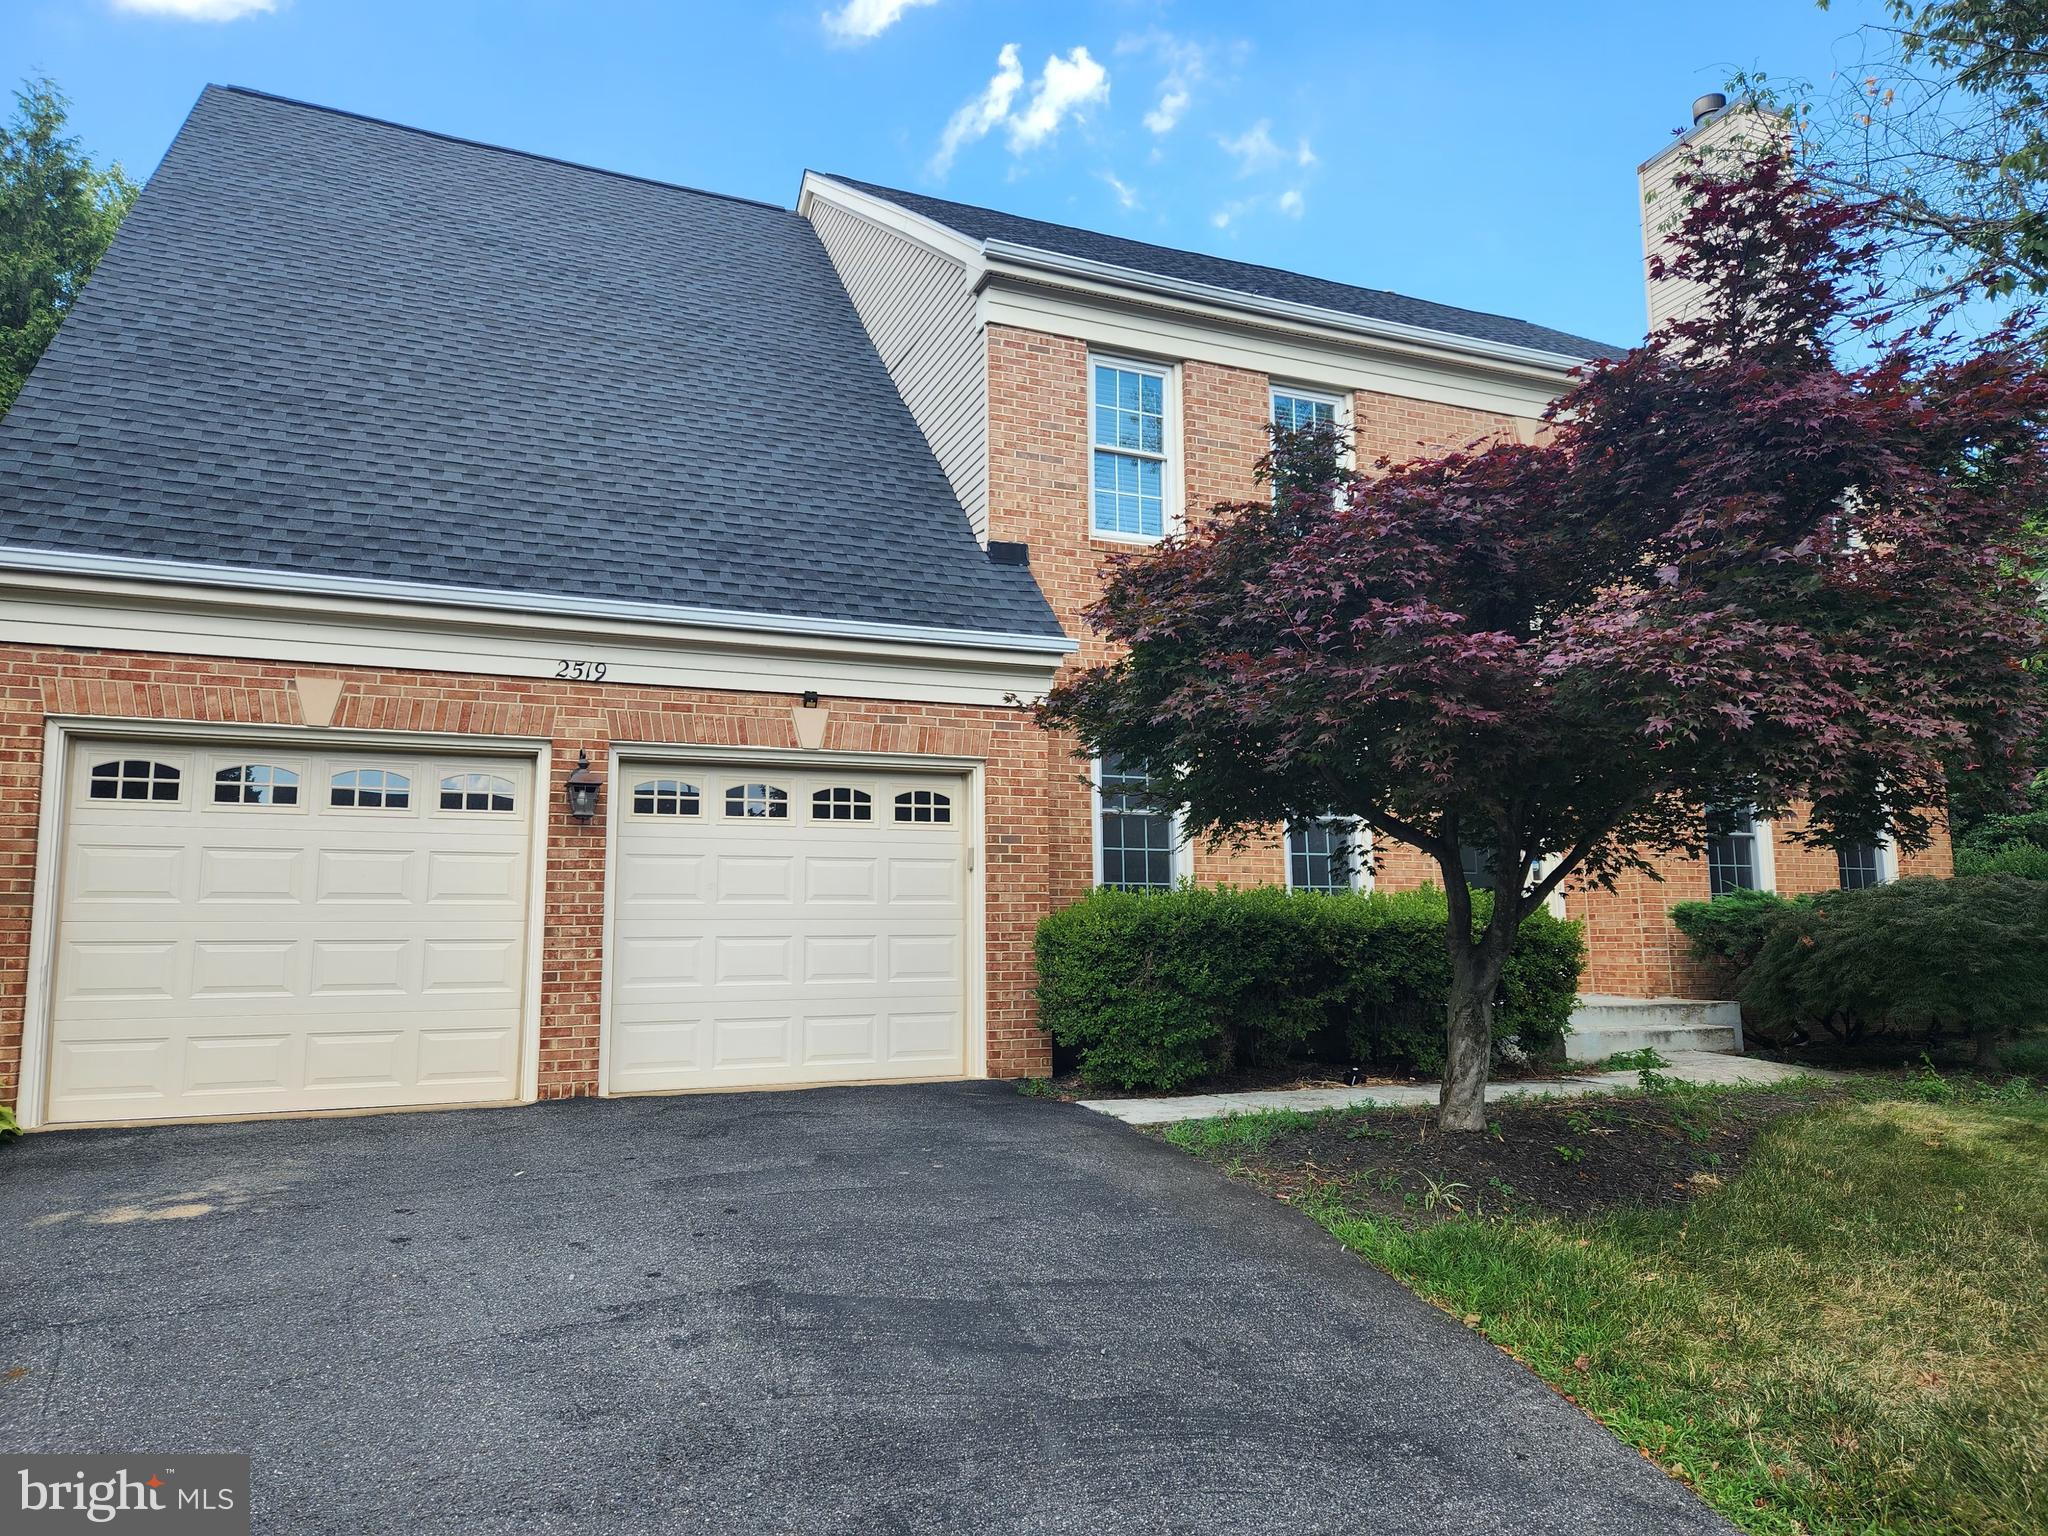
798	949
750	879
245	968
469	1057
252	957
381	875
256	876
102	874
926	957
122	1070
266	1063
842	959
924	883
752	960
831	880
118	970
842	1040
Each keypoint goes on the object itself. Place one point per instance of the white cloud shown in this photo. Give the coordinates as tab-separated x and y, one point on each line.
1065	87
1256	150
977	117
1230	213
196	10
861	21
1126	196
1187	65
1291	203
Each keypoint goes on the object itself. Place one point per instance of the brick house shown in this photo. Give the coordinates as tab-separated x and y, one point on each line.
385	489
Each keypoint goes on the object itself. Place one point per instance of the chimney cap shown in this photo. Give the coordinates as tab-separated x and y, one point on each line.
1706	106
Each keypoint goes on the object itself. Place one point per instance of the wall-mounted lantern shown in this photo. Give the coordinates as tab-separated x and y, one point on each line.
581	787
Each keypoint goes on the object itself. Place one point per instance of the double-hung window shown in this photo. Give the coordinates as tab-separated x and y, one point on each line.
1733	861
1128	429
1135	836
1324	855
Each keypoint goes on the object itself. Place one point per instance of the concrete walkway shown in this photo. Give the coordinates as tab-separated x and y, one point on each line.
1688	1066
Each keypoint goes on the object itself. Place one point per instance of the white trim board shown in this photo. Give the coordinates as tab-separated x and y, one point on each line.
116	614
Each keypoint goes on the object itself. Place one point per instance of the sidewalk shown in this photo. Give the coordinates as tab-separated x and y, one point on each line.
1687	1066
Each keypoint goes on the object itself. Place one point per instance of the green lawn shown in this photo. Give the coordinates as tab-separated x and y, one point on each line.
1850	1335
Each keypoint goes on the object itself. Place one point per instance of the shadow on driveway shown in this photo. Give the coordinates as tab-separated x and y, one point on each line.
884	1309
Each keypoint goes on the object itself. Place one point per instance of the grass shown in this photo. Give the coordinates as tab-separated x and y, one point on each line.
1850	1336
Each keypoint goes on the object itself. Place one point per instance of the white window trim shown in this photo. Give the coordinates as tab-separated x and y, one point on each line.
1172	513
1766	856
1178	855
1361	855
1337	398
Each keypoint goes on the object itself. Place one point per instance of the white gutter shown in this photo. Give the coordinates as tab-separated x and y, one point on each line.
57	562
1280	309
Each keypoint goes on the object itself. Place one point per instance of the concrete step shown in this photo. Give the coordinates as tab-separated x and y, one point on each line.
1607	1026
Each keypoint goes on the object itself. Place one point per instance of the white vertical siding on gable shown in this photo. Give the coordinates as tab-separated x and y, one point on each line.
918	306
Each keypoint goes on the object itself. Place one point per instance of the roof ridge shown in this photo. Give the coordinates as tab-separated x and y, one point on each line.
485	144
1180	250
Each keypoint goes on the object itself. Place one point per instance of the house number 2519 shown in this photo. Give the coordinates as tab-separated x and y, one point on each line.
581	671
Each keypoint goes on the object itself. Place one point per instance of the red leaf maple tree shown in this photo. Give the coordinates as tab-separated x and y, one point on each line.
1735	570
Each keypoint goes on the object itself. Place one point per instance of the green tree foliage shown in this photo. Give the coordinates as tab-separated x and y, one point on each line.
58	213
1941	127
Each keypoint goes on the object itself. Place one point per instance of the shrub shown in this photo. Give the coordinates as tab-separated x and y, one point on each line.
1730	929
1157	989
1990	834
9	1126
2027	860
1910	964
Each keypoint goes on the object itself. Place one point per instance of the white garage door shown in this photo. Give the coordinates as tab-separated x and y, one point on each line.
245	930
779	927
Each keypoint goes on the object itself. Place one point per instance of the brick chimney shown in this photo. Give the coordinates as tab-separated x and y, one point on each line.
1721	130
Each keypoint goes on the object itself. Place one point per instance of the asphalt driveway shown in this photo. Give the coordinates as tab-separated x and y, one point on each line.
890	1309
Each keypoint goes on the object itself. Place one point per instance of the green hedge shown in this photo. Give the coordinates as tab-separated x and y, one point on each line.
2027	860
1913	964
1731	928
1158	989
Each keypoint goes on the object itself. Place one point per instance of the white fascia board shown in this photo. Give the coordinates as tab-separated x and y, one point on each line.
986	256
1028	260
192	574
894	216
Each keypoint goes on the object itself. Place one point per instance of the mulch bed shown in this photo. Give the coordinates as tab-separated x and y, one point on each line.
1562	1159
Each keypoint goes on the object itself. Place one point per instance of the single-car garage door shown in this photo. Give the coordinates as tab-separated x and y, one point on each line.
244	930
775	927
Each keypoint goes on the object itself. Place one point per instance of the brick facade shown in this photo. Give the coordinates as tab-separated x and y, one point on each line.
1038	494
35	683
1039	843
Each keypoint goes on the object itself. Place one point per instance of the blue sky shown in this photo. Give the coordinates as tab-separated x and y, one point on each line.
1477	152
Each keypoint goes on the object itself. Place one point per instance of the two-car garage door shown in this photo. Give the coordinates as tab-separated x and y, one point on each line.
250	930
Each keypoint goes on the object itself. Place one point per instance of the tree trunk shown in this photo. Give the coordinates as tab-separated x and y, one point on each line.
1991	1051
1468	1050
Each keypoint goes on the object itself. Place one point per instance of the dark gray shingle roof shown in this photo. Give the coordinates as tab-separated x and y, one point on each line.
1237	276
327	345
